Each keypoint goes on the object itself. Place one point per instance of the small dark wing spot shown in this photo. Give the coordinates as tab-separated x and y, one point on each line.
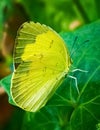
56	78
56	64
44	69
51	43
41	56
34	54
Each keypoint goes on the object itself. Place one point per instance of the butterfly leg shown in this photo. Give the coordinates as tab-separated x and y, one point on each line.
79	70
75	79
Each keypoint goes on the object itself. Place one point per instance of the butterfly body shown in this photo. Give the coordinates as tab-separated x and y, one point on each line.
41	61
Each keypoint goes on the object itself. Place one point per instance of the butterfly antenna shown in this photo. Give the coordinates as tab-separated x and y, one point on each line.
79	47
72	48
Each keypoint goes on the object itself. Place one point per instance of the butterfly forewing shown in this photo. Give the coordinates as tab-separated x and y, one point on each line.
42	60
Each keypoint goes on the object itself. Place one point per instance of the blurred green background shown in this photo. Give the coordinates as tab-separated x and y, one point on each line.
61	15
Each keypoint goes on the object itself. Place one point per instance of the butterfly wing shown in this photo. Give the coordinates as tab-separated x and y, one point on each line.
41	60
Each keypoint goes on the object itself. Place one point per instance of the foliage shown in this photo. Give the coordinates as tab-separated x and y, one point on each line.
68	110
62	15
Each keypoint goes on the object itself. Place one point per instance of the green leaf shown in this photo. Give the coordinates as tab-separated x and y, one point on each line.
4	4
98	126
86	57
6	83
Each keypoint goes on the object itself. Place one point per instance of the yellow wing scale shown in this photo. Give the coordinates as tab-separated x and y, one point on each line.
42	61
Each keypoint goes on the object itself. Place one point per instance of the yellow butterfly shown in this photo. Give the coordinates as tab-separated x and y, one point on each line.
41	61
